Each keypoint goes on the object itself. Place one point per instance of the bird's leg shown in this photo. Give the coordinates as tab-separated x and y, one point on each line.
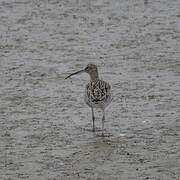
93	118
103	119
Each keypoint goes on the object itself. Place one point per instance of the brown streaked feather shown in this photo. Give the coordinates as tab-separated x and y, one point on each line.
98	91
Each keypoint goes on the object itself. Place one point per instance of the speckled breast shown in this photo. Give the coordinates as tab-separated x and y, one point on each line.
98	94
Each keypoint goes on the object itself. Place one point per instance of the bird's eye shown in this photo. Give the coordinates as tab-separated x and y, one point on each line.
87	68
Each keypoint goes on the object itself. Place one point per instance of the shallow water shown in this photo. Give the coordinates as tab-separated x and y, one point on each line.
45	126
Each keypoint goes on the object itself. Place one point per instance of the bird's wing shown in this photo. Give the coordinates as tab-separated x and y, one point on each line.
98	91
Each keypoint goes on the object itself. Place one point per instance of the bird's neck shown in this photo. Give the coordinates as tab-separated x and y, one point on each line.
94	76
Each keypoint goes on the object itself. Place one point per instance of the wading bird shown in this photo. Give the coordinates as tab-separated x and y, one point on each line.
97	92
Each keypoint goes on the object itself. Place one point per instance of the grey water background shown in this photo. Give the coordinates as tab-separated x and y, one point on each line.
45	126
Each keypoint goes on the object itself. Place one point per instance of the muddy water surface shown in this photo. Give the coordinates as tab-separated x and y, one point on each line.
45	126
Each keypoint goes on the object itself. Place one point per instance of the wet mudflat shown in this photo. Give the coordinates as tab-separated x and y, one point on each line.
45	126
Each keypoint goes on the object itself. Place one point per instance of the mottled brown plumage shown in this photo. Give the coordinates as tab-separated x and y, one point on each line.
97	92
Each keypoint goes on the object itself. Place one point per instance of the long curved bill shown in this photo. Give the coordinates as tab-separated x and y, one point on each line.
81	71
